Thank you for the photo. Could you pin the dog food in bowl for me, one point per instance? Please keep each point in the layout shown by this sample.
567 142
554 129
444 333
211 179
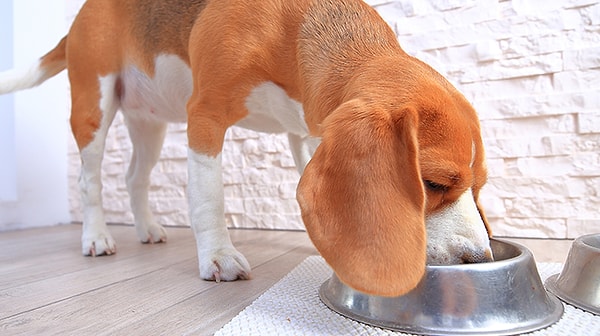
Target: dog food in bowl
503 297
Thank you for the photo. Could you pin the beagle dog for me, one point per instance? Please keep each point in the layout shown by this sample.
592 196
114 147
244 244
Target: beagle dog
397 157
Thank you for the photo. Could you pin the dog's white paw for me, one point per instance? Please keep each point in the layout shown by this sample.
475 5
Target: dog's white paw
225 264
153 233
98 244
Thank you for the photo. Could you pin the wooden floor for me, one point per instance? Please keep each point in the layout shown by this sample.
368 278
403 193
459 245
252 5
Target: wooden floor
47 287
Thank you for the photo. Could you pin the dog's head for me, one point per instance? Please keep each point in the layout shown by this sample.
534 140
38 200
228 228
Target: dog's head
395 183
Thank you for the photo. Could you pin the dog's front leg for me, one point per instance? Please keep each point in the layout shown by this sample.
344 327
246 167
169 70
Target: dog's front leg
217 258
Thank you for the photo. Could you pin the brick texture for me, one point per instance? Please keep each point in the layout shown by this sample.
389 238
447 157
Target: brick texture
532 70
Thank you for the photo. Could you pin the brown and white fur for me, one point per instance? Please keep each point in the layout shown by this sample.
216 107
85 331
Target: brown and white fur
393 183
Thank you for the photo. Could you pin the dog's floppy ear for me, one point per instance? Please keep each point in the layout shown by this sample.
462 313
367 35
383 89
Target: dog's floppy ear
362 198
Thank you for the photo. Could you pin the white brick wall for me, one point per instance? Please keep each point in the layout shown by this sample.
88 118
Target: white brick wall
530 67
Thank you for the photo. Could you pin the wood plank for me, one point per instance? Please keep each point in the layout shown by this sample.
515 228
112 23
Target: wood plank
109 306
98 273
205 313
31 242
25 267
63 258
146 283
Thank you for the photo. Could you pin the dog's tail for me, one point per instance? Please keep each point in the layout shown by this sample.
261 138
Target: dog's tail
46 67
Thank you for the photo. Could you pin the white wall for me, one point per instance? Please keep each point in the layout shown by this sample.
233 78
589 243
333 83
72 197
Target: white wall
531 69
8 156
40 123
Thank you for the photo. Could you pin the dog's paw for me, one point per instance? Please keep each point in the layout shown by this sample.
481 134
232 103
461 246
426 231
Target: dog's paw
99 244
151 234
224 265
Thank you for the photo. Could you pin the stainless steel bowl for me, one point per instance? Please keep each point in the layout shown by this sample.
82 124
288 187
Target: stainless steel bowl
579 281
501 298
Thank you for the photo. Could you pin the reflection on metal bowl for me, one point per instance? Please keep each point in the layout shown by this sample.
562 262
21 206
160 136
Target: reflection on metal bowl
502 297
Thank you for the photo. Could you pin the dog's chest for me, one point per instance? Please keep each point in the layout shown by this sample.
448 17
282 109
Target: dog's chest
164 96
271 110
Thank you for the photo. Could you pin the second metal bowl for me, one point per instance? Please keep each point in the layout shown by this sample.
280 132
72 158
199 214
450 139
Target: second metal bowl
501 298
579 281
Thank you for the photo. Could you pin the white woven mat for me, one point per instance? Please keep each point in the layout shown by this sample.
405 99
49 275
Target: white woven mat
292 307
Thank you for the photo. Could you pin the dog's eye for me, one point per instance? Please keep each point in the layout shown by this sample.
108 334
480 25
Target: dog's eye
435 186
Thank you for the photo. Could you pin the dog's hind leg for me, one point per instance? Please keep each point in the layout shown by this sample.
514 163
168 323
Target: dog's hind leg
94 105
147 138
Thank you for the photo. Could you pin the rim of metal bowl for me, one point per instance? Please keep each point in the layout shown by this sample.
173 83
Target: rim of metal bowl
552 287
